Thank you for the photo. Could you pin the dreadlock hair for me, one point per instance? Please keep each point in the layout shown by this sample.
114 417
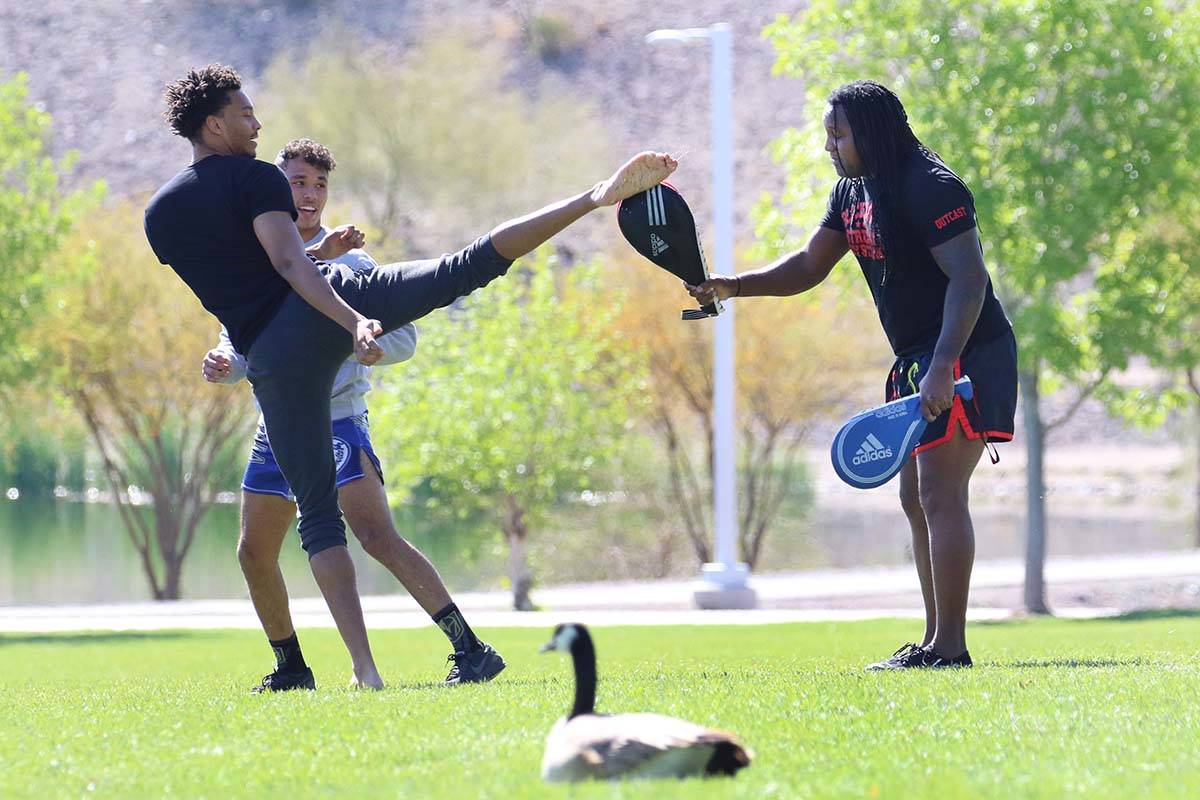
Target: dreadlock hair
312 153
884 141
196 96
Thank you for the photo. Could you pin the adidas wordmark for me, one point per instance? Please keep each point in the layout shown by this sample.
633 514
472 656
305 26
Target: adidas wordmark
871 450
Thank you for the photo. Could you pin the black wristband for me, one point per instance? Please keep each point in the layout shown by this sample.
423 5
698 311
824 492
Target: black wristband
738 292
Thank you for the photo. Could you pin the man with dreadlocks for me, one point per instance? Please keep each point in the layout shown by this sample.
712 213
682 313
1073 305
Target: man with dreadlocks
910 222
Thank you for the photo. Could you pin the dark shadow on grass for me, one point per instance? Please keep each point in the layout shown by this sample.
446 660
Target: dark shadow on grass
1073 663
97 637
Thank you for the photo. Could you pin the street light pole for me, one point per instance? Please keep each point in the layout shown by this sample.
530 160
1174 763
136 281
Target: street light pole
723 583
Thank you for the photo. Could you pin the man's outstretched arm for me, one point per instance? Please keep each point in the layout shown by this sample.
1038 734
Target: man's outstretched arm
794 273
278 235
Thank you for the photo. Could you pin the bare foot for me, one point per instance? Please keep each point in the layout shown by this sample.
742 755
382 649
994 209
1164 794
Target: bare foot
367 681
638 174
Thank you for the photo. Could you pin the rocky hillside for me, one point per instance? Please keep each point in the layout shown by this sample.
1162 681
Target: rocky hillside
99 67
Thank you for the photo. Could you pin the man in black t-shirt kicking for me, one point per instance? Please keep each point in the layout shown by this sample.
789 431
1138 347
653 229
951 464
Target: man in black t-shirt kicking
910 222
226 225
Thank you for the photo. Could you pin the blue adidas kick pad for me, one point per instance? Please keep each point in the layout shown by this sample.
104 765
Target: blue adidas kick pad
874 444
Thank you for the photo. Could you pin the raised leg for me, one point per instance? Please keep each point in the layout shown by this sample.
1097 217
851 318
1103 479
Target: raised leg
396 294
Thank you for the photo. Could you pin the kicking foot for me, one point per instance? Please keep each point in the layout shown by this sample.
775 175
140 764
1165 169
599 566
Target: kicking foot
643 171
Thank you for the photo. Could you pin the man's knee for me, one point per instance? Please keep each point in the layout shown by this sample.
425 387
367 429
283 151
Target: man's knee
910 502
377 540
910 497
253 554
318 542
941 497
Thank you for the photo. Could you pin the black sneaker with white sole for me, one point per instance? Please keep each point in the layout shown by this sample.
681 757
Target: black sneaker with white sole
897 660
286 680
475 666
912 657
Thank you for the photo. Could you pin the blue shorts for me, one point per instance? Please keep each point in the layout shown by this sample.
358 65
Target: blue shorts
351 436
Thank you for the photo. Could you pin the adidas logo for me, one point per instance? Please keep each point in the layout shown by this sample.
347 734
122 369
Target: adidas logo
871 450
657 245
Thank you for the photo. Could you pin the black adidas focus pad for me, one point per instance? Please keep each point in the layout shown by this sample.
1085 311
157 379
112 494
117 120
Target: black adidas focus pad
660 226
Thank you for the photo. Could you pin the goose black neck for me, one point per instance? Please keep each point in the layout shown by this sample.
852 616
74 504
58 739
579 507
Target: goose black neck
583 654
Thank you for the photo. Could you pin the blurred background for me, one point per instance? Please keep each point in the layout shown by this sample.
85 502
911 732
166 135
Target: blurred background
566 413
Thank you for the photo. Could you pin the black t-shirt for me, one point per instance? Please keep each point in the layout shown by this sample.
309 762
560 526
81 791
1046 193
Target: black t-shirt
932 206
201 224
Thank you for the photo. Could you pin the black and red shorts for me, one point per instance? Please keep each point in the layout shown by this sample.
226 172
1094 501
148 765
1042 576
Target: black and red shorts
992 367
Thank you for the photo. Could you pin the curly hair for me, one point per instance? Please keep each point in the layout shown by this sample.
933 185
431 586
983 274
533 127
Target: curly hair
313 153
202 92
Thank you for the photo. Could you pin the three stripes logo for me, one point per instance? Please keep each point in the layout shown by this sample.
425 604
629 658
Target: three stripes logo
655 209
871 450
657 245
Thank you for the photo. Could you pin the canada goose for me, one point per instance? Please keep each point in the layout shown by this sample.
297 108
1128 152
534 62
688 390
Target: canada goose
585 744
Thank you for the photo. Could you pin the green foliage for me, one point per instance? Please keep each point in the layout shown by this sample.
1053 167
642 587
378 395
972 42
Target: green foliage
1053 709
551 36
37 214
127 362
525 393
1070 121
43 450
433 145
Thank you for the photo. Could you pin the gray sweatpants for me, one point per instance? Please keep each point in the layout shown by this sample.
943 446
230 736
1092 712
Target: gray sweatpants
293 362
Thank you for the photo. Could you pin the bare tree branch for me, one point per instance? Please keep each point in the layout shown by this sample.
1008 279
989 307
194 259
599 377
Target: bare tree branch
1082 398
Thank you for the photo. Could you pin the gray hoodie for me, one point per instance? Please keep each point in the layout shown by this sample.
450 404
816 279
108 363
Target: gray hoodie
353 379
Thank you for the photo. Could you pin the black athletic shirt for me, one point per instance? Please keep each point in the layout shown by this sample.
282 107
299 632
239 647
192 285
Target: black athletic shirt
932 207
201 223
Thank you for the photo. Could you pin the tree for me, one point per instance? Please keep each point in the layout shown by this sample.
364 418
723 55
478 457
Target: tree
798 360
435 146
525 398
1171 337
1070 122
37 215
123 342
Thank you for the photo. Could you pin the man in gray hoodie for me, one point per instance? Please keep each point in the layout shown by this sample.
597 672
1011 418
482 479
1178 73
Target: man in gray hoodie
269 507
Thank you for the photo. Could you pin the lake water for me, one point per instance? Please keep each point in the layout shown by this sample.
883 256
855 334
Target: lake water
56 551
78 552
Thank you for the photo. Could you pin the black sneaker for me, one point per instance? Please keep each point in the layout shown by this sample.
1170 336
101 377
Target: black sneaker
935 661
898 660
912 657
286 680
476 666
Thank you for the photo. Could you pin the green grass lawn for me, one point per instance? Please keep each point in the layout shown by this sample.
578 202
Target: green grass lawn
1052 709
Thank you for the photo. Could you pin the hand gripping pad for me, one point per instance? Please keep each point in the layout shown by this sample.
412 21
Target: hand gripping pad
875 444
660 226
